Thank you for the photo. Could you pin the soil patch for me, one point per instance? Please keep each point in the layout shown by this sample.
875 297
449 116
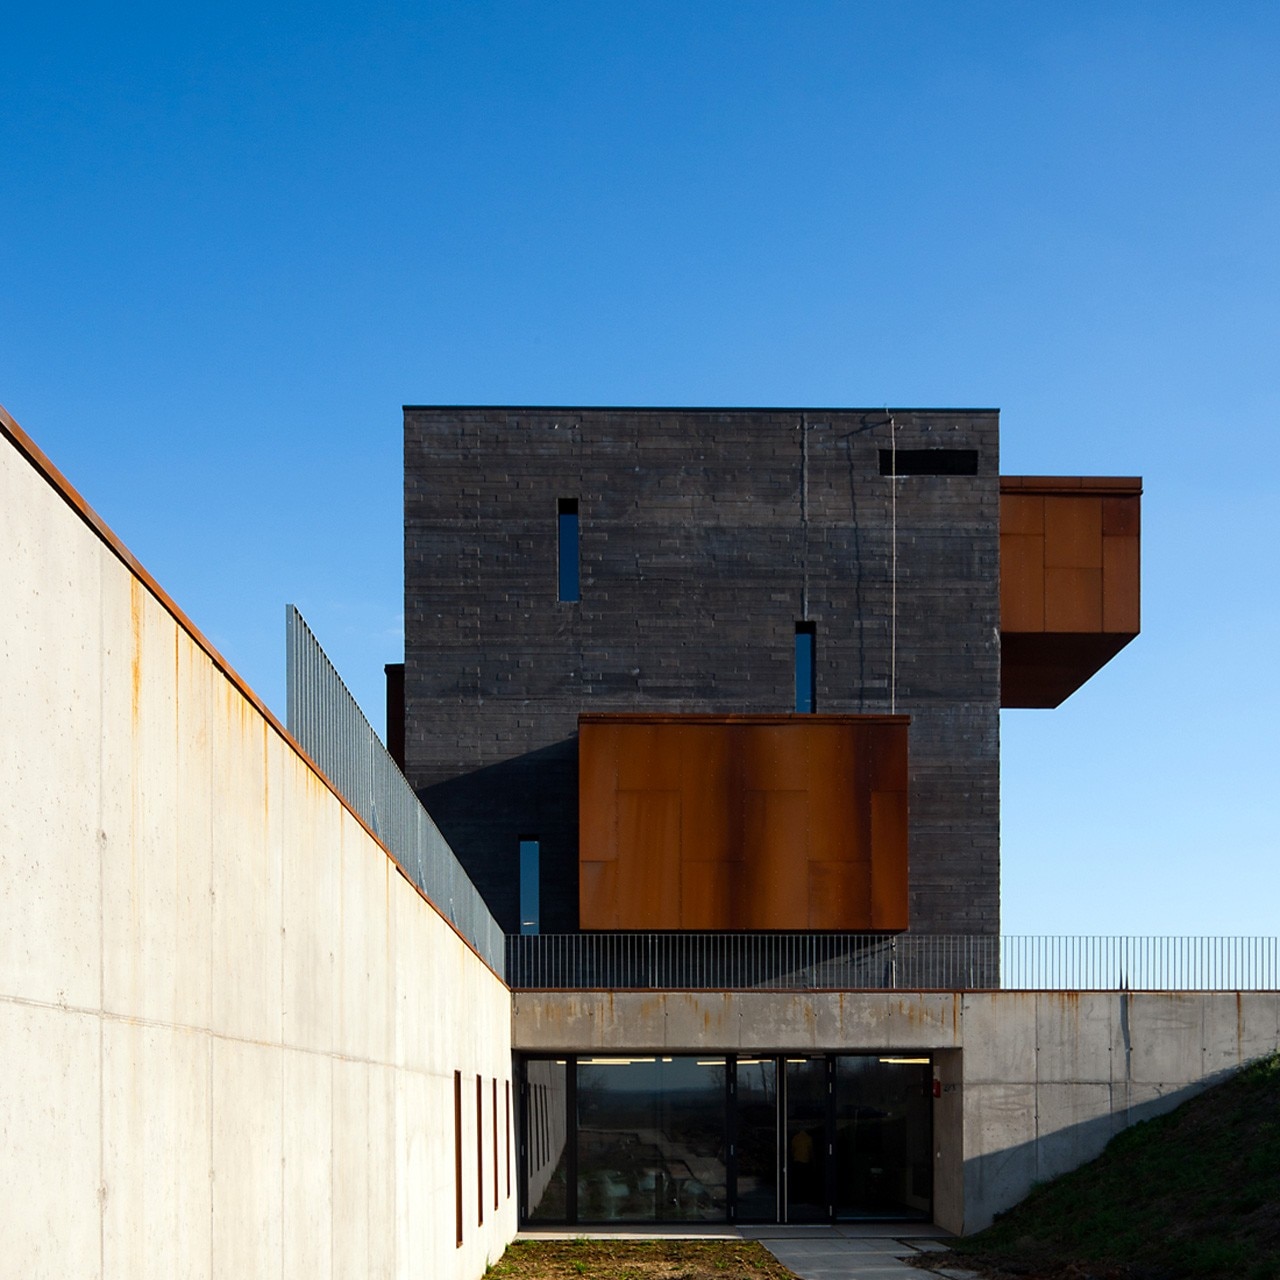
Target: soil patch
638 1260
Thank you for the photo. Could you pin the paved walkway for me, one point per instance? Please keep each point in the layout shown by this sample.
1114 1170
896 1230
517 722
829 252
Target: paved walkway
853 1251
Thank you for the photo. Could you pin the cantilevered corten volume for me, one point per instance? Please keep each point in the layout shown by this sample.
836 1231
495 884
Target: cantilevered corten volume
1069 581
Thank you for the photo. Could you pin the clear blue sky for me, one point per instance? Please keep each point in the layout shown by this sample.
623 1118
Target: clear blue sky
235 239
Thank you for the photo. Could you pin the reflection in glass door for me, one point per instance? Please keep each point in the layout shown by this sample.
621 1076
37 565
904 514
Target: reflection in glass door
883 1136
805 1104
757 1139
765 1138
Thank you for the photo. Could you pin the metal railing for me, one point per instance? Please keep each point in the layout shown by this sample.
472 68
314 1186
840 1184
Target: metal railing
329 726
873 962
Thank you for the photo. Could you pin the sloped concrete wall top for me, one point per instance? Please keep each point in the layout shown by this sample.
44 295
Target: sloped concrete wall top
229 1028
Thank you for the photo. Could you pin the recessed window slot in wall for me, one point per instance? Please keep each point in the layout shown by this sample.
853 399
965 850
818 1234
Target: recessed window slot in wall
569 589
806 667
480 1150
530 858
457 1152
929 462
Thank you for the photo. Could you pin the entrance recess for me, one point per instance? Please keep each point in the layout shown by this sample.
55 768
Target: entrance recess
763 1138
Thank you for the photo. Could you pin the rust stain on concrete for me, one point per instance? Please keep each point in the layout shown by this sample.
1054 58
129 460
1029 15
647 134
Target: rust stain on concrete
136 606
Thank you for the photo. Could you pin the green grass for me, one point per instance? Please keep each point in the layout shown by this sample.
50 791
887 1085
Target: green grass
1192 1193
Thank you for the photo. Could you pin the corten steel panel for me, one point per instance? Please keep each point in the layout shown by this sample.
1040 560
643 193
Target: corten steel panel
649 856
1022 513
889 872
775 822
598 894
1021 582
837 892
1120 593
1073 532
710 830
1072 598
1069 601
651 760
834 757
887 761
709 894
1122 517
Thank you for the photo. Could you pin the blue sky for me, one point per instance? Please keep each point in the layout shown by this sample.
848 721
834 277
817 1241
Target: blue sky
234 241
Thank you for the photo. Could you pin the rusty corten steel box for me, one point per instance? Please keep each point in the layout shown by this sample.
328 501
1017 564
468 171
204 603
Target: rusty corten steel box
743 822
1069 581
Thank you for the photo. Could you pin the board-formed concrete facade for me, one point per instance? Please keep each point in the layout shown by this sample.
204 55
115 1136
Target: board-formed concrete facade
705 536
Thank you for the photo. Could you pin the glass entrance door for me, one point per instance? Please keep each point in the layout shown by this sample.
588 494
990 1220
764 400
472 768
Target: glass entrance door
805 1103
883 1144
757 1139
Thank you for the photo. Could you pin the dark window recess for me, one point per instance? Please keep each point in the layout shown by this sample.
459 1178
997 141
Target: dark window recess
457 1151
569 589
495 1144
929 462
480 1150
530 862
395 712
806 672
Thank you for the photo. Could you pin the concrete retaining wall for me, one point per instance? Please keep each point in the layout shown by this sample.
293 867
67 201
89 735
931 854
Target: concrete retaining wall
228 1026
1032 1083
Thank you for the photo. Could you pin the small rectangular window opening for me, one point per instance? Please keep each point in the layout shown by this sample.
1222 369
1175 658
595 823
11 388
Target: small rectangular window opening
457 1152
929 462
507 1131
806 673
480 1149
530 857
569 589
495 1144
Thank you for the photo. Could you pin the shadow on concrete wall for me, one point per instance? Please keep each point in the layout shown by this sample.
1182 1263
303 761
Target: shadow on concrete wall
998 1180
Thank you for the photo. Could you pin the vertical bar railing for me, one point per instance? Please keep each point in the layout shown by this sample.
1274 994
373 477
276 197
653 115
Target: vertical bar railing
768 961
327 723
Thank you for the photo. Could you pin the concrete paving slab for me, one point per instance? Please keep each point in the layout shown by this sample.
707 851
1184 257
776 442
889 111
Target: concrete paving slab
809 1264
817 1251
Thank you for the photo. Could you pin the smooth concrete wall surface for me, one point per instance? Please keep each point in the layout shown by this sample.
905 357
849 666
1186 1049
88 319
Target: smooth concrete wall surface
228 1026
1031 1083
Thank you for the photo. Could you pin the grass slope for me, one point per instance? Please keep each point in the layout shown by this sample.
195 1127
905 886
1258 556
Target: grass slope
1192 1193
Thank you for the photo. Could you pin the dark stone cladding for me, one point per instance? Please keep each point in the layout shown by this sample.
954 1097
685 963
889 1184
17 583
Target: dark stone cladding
706 534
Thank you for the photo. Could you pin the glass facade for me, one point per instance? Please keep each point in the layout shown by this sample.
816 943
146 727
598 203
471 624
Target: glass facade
651 1140
758 1160
545 1154
883 1136
807 1146
703 1138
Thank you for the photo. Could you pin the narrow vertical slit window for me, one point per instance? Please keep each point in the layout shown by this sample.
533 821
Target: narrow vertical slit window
530 861
806 666
507 1130
480 1150
495 1144
457 1152
569 589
